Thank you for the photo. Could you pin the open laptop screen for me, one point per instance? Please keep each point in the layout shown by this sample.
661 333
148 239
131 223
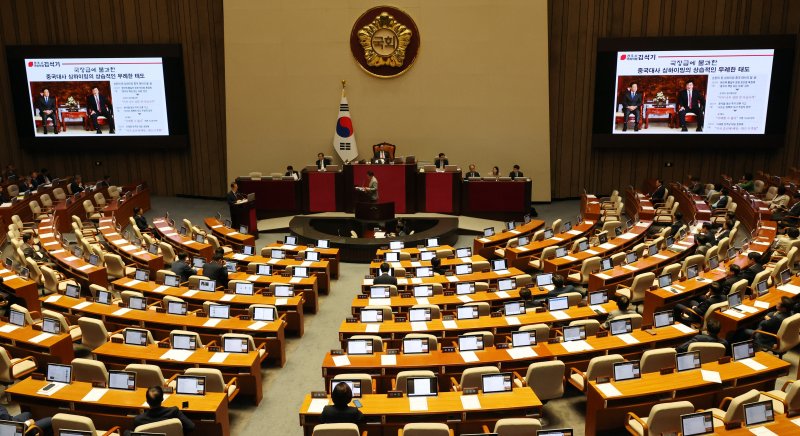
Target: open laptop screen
122 380
743 350
694 424
758 413
190 385
687 361
501 382
422 387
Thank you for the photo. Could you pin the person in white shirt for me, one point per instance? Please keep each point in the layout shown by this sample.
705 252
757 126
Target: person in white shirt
780 201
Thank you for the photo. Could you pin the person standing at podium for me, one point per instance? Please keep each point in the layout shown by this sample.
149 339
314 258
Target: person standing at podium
371 188
232 198
322 161
441 161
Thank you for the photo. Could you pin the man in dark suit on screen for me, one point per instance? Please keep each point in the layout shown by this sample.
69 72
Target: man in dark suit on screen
690 102
47 110
631 104
99 106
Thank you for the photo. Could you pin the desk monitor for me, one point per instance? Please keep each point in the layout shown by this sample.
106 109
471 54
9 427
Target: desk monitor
487 232
510 225
300 271
371 315
574 333
606 264
423 291
713 262
669 241
423 271
359 346
176 307
543 280
499 265
290 240
583 246
66 432
652 250
51 325
470 342
602 238
142 275
567 226
94 260
432 242
122 380
422 387
465 288
734 300
396 245
16 317
514 308
183 342
103 297
198 237
58 373
692 271
207 285
235 345
137 303
785 276
631 257
758 413
24 272
172 280
219 311
523 339
277 254
558 432
499 382
663 319
467 312
426 255
73 291
230 267
264 313
617 231
743 350
190 385
391 256
416 346
557 303
248 250
561 251
77 251
664 280
699 423
524 240
244 288
284 291
228 223
506 284
419 314
464 268
354 385
620 326
762 288
11 428
598 298
198 262
732 252
626 370
379 292
323 243
463 252
135 336
243 229
548 233
687 361
263 269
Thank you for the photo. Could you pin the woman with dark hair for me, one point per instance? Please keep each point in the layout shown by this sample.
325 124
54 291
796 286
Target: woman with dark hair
340 412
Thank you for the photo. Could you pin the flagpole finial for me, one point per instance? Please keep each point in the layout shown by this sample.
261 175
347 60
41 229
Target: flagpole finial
344 83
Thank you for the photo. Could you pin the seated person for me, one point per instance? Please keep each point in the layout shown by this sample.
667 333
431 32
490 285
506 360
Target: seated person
747 183
402 227
495 172
339 412
322 161
784 241
707 235
26 184
381 156
436 263
525 295
660 194
290 172
560 286
515 173
77 185
385 278
696 309
157 413
103 183
716 189
140 220
734 275
713 328
473 172
215 270
673 231
724 231
696 187
182 268
29 249
46 424
722 201
771 323
441 161
758 265
787 218
781 200
622 309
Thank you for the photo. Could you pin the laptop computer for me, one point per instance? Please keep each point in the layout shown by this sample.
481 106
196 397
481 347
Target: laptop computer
323 243
663 319
465 288
426 255
463 252
543 280
235 345
142 275
359 346
176 308
277 254
57 373
73 291
51 325
135 337
137 303
244 288
506 284
597 298
263 270
488 232
11 428
183 342
514 308
423 291
284 291
557 303
300 272
264 314
464 268
371 315
219 311
743 350
523 339
423 272
574 333
207 285
467 312
419 314
620 326
355 386
16 317
172 280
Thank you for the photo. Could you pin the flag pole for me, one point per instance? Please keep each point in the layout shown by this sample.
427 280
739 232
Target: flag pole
344 83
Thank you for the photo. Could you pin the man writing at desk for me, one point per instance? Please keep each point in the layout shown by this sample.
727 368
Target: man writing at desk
372 187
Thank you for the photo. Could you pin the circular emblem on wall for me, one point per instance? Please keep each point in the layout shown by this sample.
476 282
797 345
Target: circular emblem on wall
384 41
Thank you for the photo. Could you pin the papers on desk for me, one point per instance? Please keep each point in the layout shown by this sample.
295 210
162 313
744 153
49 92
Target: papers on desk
239 256
422 300
521 352
761 304
660 256
122 311
752 364
52 299
502 294
56 251
514 232
607 246
234 233
525 247
416 264
450 324
452 279
608 390
11 277
388 359
306 263
47 244
45 235
569 258
602 276
190 292
216 226
470 402
258 325
252 278
796 422
373 328
746 308
768 227
380 301
273 261
414 281
70 259
502 272
177 355
469 356
129 247
710 376
8 328
733 313
647 208
465 259
559 315
94 395
281 301
140 253
295 280
484 240
418 404
132 282
790 288
56 387
598 308
212 322
592 252
341 360
465 298
317 404
512 320
575 346
628 338
6 205
227 297
402 281
161 288
82 305
762 431
683 328
218 357
40 337
556 238
630 268
574 232
419 326
627 236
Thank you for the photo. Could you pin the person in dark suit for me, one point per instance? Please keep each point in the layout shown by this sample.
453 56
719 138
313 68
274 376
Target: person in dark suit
527 298
713 328
322 161
215 270
690 102
99 106
48 110
436 264
631 104
103 183
699 306
441 161
515 173
140 220
385 278
182 268
46 424
707 237
788 218
722 201
771 323
232 197
673 230
660 194
340 412
157 413
560 286
752 271
26 184
623 309
380 156
77 184
43 178
473 172
290 172
29 249
734 275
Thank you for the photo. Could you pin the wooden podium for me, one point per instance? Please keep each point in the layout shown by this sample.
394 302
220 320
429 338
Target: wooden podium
243 213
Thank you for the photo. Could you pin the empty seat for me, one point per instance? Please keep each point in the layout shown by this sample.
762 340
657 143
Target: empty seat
64 421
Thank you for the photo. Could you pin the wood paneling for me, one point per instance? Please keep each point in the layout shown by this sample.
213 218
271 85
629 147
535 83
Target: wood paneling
195 24
575 26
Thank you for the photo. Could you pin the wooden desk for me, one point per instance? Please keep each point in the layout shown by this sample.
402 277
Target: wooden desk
25 341
394 413
83 271
72 206
590 207
414 252
117 407
131 254
182 243
321 268
495 197
446 281
520 257
633 236
306 286
291 307
245 367
24 289
329 254
408 265
782 425
229 236
605 413
161 324
398 184
749 209
122 208
273 195
730 320
692 206
323 191
639 204
486 246
439 192
22 208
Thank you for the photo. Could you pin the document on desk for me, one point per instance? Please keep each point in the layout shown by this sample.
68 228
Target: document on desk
607 246
52 299
423 300
252 278
414 281
190 292
273 261
469 356
416 264
133 282
419 326
628 338
608 390
295 280
630 268
748 309
8 328
81 305
95 394
796 422
380 301
388 359
418 404
733 313
521 352
660 256
710 376
559 315
512 320
258 325
602 276
465 298
227 297
470 402
598 308
762 431
56 387
317 404
575 346
122 311
306 263
177 355
281 301
752 364
574 232
761 304
450 324
502 294
467 259
70 259
40 337
484 240
452 279
790 288
341 360
218 357
569 258
212 322
85 267
627 236
373 328
592 252
239 256
402 281
683 328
